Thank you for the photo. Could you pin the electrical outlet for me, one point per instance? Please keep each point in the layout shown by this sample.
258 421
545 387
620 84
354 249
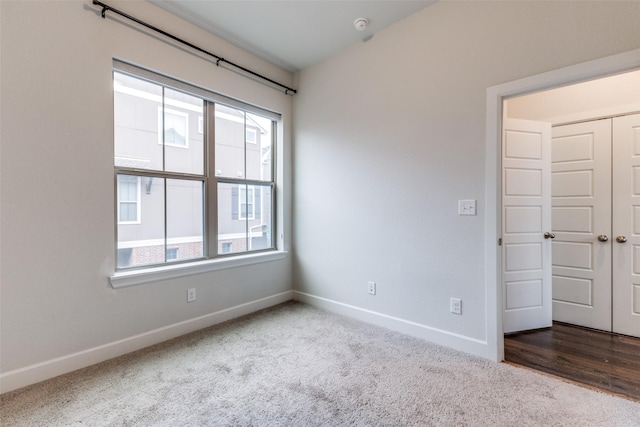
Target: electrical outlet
372 288
191 294
455 305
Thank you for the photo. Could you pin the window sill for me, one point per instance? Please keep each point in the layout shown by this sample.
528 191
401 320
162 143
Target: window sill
124 279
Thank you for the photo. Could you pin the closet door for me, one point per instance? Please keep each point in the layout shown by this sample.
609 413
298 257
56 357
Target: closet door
526 224
581 222
626 225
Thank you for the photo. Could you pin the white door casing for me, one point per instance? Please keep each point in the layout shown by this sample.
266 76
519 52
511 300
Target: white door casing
526 216
496 95
626 208
581 212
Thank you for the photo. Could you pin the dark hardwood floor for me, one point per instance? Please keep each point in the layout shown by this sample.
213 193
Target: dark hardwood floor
602 360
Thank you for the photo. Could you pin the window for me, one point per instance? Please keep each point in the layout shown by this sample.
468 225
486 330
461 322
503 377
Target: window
128 199
252 136
244 179
244 198
124 257
172 254
188 193
175 125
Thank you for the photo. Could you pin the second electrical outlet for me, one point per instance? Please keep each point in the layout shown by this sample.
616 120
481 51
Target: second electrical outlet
455 305
372 288
191 294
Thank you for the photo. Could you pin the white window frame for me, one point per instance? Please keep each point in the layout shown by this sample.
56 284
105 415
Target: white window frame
161 126
212 261
138 201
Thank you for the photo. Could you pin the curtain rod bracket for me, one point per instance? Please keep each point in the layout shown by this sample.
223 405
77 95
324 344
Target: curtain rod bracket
218 61
104 12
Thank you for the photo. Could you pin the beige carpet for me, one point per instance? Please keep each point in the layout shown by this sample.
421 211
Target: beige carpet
294 365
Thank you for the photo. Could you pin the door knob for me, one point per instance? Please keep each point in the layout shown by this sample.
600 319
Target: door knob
603 238
621 239
548 235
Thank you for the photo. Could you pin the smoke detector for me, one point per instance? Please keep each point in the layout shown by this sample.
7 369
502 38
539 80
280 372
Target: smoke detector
360 24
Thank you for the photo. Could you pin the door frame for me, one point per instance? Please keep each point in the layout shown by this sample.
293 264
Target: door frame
591 70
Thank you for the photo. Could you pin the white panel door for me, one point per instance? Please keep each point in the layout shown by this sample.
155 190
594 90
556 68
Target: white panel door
581 222
626 225
526 216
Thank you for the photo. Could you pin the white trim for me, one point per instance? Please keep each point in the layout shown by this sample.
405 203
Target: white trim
590 70
23 377
230 117
234 236
159 242
126 90
179 240
131 162
126 278
418 330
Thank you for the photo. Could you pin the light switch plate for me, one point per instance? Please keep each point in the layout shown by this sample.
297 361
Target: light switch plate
466 207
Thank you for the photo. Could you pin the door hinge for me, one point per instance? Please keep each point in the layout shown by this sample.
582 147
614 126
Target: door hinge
500 241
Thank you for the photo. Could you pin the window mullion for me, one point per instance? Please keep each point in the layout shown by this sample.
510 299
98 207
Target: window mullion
164 169
274 162
211 206
164 180
246 188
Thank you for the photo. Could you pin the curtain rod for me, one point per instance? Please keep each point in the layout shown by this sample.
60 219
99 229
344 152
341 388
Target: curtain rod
219 59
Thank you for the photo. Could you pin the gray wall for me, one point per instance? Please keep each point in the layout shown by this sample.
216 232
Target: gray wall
390 134
57 181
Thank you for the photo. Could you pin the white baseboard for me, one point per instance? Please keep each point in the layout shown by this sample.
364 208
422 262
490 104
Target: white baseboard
427 333
23 377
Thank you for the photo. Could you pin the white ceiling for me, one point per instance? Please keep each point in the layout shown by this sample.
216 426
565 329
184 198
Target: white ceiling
292 34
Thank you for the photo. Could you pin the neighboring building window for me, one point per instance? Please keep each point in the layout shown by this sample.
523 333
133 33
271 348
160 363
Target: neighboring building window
244 200
247 202
124 257
252 136
164 193
176 128
172 254
128 199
